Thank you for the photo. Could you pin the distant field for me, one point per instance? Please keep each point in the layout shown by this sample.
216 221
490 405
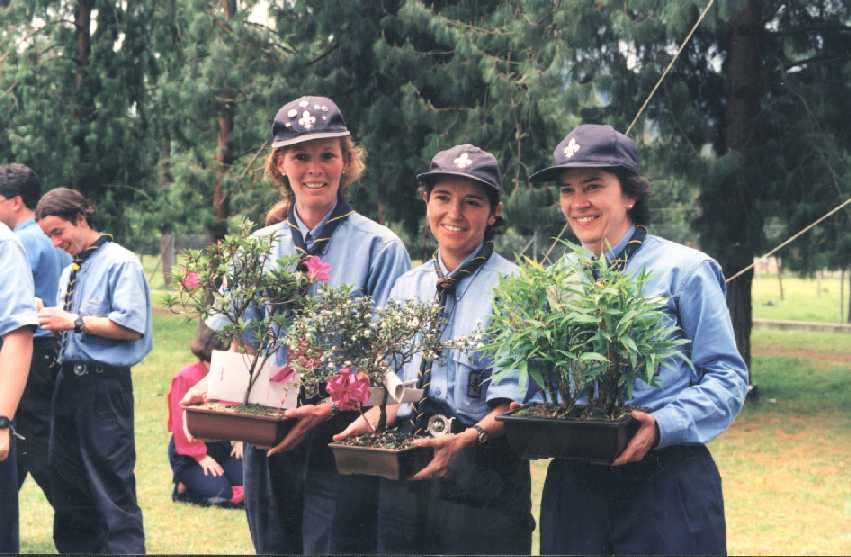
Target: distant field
802 300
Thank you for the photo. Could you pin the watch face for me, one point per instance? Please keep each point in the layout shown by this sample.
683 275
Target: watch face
5 422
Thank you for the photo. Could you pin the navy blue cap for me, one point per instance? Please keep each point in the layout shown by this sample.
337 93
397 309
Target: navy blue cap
591 146
467 161
306 119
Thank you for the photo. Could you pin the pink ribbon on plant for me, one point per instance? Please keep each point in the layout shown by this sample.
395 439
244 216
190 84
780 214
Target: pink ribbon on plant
348 390
317 270
190 281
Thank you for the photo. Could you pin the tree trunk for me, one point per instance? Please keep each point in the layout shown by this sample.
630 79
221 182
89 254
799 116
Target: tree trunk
166 236
780 276
224 156
743 73
82 26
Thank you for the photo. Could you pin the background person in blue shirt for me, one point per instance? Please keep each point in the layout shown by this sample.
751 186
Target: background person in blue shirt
17 323
474 497
662 495
294 498
104 324
20 190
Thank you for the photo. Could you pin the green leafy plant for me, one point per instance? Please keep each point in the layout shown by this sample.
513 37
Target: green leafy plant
577 336
255 295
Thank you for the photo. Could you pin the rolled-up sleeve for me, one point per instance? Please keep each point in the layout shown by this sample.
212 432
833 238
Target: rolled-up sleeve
129 303
706 408
17 308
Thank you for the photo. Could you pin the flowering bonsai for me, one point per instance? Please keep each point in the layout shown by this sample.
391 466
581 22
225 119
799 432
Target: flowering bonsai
580 338
344 347
254 297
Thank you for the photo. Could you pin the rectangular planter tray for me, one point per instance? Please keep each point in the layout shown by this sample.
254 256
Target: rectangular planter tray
593 440
213 424
392 464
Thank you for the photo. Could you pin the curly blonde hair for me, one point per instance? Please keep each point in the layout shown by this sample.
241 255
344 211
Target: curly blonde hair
354 157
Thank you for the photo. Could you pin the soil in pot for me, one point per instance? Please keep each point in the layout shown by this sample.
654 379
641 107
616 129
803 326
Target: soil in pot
546 431
216 421
385 454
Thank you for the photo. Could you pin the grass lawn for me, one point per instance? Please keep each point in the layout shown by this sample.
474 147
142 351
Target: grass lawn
801 299
787 483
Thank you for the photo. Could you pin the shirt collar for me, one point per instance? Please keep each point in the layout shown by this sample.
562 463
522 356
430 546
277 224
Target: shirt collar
619 247
27 223
305 231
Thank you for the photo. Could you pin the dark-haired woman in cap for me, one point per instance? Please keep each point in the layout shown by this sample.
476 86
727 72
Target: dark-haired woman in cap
474 495
662 495
205 473
295 507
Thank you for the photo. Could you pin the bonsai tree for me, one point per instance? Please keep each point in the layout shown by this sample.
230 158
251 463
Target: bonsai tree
582 331
343 346
238 282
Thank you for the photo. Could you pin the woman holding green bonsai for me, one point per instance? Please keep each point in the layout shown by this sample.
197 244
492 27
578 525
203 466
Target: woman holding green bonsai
662 494
474 495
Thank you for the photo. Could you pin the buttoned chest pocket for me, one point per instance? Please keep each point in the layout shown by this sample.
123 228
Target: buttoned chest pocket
472 378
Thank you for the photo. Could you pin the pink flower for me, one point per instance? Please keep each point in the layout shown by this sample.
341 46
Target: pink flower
348 390
317 270
281 375
190 281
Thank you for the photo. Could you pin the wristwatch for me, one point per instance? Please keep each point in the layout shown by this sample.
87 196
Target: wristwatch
482 437
78 324
6 423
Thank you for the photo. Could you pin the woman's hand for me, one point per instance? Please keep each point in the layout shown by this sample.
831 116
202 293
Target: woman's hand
365 423
643 440
309 416
5 443
236 449
446 449
56 319
210 467
197 394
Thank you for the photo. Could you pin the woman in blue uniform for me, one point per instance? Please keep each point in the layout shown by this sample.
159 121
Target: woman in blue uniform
17 323
662 495
474 495
295 500
20 190
104 325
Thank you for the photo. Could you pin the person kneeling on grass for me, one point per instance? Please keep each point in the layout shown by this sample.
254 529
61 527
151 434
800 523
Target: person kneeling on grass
203 473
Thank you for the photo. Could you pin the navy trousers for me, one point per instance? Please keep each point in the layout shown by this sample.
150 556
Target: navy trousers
670 503
201 488
33 416
92 461
339 511
9 542
274 497
483 506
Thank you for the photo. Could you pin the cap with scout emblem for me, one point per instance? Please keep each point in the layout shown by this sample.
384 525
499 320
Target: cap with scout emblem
467 161
306 119
591 146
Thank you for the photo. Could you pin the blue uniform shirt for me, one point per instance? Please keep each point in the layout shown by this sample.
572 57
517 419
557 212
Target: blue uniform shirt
46 263
363 254
16 285
457 376
690 406
112 284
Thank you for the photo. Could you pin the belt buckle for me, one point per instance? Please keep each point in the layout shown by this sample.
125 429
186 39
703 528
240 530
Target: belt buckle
439 425
80 369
